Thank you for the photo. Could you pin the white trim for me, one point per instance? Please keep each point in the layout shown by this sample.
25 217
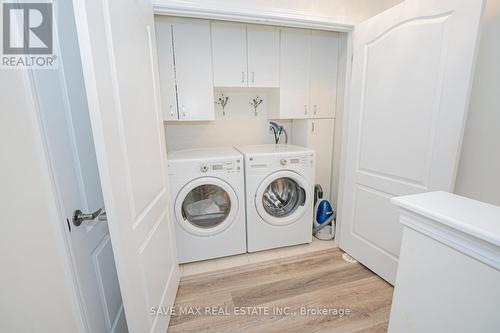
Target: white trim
345 136
463 242
270 16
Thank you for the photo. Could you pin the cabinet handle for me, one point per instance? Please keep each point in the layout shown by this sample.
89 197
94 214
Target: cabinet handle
183 111
171 110
315 109
305 109
312 126
243 77
253 77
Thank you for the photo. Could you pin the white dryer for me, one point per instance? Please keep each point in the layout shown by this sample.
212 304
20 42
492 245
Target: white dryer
279 183
207 203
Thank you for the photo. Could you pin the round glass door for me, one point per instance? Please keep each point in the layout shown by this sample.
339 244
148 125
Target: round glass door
282 197
206 206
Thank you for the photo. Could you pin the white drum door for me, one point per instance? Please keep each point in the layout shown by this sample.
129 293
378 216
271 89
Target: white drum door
206 206
118 50
281 198
411 76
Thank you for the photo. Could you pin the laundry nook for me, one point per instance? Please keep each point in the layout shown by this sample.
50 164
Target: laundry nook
250 166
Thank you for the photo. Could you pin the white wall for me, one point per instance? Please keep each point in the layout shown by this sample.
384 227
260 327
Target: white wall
34 284
479 170
239 126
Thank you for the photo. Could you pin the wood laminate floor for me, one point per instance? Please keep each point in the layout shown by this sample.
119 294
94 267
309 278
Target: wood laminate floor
285 295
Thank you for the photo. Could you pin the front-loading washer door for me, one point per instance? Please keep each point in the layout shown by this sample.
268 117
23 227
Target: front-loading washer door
206 206
281 198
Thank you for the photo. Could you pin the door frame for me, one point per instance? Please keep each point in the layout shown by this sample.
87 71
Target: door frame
293 19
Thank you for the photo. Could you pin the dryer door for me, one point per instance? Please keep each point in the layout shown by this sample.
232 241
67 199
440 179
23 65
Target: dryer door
206 206
282 197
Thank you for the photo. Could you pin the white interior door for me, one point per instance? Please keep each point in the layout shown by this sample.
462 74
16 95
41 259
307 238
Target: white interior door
411 77
117 43
68 137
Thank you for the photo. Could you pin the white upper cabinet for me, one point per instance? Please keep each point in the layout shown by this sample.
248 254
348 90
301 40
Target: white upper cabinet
324 65
197 55
308 75
193 69
295 58
185 63
229 51
263 47
245 55
166 69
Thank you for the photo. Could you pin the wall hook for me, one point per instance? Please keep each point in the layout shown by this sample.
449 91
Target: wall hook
222 101
255 103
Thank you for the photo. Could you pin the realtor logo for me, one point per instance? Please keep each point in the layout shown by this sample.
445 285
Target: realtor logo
27 39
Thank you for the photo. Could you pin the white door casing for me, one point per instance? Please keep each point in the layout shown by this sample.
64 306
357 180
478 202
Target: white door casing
411 77
117 43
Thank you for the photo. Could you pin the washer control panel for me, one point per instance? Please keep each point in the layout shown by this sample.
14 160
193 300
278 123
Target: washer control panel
221 166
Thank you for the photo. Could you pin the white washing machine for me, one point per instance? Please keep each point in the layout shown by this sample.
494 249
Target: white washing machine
279 183
207 203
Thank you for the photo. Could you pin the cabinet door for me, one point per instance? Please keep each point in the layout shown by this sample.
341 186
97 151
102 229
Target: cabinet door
320 139
324 64
263 45
193 69
166 68
294 73
229 52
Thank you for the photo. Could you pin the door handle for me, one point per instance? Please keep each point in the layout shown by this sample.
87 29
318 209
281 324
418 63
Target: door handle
103 217
79 217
